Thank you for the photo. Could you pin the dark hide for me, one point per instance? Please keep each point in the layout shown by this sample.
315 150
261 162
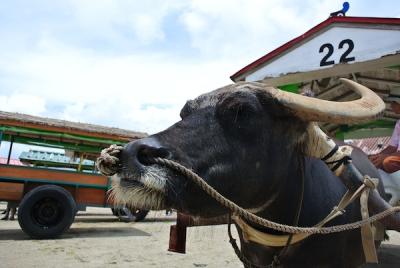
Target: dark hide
250 149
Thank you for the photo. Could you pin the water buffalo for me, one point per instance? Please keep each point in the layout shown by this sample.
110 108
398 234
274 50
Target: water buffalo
251 145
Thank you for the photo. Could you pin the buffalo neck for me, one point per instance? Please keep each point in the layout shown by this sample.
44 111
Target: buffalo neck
285 192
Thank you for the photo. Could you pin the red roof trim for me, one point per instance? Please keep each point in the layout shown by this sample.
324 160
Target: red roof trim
325 23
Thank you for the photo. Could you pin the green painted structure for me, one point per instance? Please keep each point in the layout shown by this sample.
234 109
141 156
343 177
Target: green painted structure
58 160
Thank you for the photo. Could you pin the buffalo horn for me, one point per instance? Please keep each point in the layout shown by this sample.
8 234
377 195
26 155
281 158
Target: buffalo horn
366 108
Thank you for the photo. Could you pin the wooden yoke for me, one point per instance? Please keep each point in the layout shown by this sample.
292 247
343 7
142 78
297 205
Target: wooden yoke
338 160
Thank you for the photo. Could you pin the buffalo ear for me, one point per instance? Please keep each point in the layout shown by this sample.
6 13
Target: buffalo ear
240 113
238 106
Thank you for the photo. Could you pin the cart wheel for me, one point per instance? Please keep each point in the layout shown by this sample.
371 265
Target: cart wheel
129 214
46 212
136 214
114 211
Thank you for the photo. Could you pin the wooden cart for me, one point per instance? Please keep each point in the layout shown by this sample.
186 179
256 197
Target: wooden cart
48 195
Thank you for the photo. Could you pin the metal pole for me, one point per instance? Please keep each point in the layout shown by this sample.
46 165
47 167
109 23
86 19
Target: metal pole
9 152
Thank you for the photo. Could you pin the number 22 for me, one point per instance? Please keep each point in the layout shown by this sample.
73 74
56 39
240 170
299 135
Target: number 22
343 59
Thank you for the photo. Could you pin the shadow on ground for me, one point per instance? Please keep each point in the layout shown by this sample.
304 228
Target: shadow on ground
102 218
389 255
104 232
18 234
95 219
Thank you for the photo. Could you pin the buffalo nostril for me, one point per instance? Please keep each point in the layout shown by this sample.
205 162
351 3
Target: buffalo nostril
146 154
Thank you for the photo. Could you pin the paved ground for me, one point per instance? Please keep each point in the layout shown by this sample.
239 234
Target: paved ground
98 239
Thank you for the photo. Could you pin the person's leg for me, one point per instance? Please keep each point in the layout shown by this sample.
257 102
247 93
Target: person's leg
7 213
391 164
12 213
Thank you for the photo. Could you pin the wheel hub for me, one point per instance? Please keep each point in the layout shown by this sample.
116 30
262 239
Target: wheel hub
47 212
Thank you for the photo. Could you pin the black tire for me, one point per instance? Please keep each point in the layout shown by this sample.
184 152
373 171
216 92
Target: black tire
129 214
46 212
114 211
137 214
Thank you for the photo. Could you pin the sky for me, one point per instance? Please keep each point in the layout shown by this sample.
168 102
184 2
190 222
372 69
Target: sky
133 64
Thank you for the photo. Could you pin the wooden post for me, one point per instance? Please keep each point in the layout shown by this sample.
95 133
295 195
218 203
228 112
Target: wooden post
1 137
9 152
81 156
177 235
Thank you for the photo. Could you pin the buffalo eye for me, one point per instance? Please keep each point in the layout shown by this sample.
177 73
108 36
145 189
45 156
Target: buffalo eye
239 111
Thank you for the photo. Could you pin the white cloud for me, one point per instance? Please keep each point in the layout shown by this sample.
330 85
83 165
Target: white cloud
147 29
116 18
247 28
82 62
30 104
109 90
195 22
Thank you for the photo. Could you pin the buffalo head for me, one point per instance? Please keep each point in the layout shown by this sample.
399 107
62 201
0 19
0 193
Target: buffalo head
244 139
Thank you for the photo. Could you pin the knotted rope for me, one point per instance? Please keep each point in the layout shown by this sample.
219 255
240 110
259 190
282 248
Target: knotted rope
107 162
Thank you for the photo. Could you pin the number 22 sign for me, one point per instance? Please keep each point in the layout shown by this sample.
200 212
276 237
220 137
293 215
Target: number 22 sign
329 48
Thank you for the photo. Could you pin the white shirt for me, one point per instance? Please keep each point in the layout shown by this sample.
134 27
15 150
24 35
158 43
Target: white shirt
394 140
